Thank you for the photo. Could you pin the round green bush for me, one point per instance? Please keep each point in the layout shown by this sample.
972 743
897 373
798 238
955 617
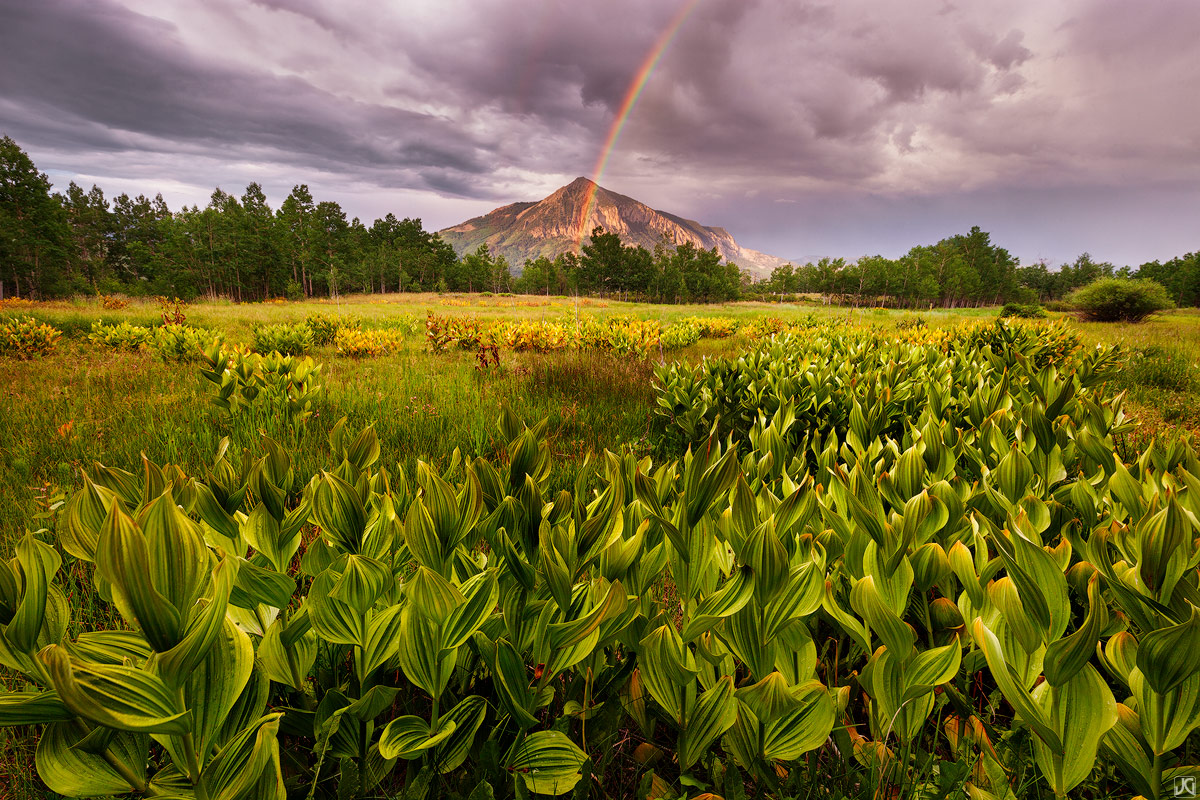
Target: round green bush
1120 299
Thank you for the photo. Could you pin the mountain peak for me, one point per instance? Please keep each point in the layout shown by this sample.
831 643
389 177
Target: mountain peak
555 225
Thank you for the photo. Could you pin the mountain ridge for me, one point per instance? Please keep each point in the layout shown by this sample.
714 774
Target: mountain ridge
551 226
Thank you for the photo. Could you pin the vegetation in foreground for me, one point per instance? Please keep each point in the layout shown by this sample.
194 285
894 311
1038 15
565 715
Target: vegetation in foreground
775 459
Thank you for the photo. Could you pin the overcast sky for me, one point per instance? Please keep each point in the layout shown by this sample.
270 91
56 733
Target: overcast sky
842 128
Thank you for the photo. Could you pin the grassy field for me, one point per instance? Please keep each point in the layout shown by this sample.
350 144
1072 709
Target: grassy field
84 405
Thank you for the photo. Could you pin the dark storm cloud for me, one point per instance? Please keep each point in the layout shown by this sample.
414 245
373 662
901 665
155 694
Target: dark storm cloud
759 112
94 74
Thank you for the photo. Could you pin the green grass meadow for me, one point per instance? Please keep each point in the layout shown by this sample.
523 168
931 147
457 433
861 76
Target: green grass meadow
82 405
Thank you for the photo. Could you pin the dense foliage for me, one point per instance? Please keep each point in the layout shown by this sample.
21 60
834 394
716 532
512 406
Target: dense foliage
1120 300
906 566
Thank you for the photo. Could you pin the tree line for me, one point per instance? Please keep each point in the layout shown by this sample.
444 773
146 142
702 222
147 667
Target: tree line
56 244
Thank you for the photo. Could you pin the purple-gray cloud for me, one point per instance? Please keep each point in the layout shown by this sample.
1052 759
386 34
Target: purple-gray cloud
804 128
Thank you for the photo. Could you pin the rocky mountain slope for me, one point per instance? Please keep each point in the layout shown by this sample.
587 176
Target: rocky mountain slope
552 225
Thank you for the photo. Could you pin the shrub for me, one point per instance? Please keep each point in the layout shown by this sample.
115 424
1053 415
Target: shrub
357 343
241 378
289 340
180 342
1023 311
24 338
122 336
681 334
714 327
1057 305
172 310
112 302
324 327
1120 299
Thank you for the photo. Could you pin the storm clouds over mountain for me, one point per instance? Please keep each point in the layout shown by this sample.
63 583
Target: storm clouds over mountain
842 128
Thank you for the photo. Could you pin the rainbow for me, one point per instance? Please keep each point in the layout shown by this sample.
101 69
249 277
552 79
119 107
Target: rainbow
631 97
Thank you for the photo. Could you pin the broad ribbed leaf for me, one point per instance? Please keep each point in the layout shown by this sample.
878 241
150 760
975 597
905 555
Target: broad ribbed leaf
481 593
512 681
714 713
110 647
466 717
75 773
1085 712
409 737
803 729
733 595
1016 694
1167 656
117 697
548 761
931 668
1066 656
665 672
247 764
202 629
213 687
332 619
39 561
894 631
568 634
32 708
337 509
433 596
422 538
383 637
123 559
362 582
420 653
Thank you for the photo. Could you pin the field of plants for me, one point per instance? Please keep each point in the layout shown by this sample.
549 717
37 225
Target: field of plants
510 546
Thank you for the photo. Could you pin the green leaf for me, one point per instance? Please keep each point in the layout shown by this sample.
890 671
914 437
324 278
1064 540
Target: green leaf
422 538
248 766
466 717
714 713
1167 656
434 597
409 736
1066 656
804 728
481 593
32 708
931 668
664 670
726 601
548 761
213 687
895 632
362 582
338 510
1082 710
568 634
421 656
38 562
110 647
123 559
117 697
75 773
1016 694
332 619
